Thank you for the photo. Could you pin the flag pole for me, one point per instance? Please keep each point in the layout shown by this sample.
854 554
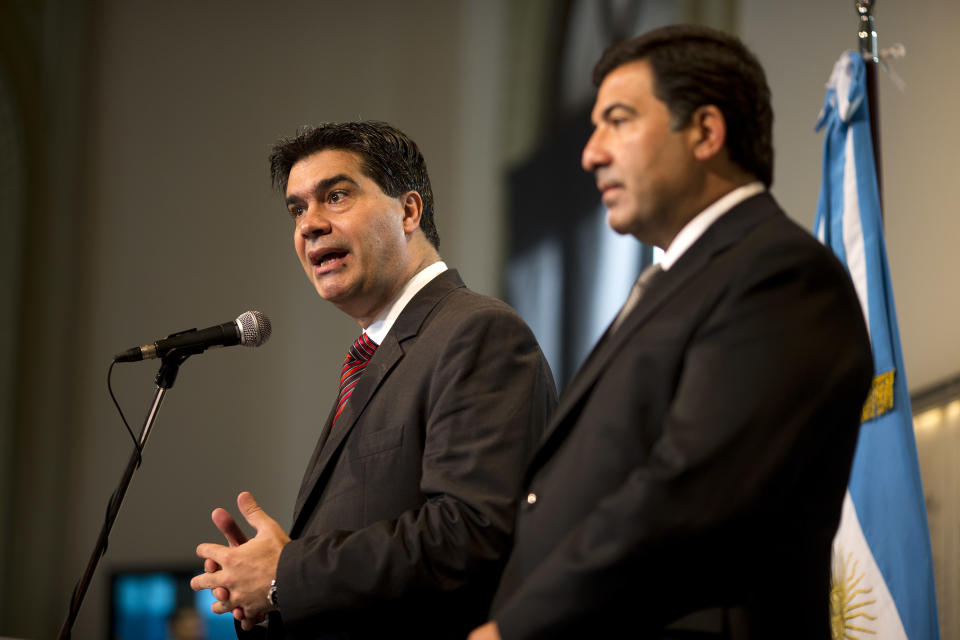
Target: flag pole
867 34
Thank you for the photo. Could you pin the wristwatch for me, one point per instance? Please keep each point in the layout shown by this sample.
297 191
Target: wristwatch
272 594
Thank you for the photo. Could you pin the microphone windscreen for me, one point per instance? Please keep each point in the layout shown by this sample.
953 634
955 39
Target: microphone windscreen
254 328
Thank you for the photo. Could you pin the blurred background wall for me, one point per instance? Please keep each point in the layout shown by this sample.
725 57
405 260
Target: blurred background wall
136 202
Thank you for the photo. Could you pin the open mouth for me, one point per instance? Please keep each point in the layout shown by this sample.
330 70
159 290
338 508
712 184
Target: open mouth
326 260
329 258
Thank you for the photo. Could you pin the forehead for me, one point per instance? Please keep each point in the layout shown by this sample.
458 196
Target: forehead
630 85
322 165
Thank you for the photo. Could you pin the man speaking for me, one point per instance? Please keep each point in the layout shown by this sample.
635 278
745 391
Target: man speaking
408 502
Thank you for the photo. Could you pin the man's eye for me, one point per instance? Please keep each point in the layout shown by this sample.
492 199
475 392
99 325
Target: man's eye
336 196
296 212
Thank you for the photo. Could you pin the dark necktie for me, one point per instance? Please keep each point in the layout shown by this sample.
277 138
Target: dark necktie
357 358
639 287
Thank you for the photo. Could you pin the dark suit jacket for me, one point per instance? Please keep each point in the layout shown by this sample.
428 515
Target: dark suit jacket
406 510
700 456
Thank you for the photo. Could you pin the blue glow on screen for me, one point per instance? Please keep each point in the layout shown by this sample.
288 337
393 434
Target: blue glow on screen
161 606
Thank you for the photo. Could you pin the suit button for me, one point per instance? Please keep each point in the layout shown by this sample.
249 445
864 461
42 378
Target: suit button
531 498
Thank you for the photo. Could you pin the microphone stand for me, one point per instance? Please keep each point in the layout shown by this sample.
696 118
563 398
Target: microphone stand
166 376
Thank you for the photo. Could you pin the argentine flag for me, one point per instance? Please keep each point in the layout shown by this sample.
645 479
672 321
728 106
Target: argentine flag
882 584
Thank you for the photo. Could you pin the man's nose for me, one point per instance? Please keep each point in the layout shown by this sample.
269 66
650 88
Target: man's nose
594 153
313 223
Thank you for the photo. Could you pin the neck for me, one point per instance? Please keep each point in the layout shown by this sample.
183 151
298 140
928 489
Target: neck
421 256
713 186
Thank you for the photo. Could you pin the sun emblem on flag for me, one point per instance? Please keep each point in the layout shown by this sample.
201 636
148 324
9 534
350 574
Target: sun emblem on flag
849 604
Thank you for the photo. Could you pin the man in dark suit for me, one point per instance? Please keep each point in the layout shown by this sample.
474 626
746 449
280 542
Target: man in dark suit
693 474
407 505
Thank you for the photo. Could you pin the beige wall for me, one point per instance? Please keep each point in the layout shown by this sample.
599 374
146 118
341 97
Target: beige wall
179 229
798 42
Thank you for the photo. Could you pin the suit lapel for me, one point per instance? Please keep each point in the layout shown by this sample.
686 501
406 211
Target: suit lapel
606 350
723 233
384 359
312 470
376 371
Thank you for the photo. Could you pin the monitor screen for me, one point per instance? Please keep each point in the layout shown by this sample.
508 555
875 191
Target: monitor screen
158 604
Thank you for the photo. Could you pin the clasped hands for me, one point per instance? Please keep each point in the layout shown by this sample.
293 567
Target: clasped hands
239 575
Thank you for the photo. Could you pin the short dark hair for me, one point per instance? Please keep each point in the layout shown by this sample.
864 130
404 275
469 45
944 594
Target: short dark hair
695 66
387 156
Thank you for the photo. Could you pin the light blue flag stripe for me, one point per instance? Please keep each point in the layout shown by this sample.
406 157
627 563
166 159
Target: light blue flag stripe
885 481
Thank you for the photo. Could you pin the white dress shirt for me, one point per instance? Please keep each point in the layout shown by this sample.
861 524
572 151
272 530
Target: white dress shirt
692 231
381 325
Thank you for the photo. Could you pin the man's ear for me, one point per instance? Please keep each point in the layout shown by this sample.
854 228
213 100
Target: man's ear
412 210
709 131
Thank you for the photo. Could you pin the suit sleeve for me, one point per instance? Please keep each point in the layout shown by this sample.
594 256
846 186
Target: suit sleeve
783 350
488 397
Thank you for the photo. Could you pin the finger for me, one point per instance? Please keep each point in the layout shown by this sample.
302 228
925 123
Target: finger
209 566
228 527
488 631
197 585
221 593
215 552
222 607
248 623
251 511
209 580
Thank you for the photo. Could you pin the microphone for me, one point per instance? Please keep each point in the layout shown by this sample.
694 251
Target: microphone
251 329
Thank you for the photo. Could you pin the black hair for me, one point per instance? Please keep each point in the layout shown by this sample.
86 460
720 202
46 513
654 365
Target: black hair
387 156
695 66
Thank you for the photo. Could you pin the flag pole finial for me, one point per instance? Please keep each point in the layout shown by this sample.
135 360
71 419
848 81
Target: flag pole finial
867 32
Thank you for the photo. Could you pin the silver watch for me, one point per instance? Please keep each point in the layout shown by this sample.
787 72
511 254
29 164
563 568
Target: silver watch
272 594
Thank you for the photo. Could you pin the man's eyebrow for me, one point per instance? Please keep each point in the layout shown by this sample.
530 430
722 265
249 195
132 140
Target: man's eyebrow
323 185
605 115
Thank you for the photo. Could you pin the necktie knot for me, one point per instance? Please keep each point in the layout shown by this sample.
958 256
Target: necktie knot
361 350
356 359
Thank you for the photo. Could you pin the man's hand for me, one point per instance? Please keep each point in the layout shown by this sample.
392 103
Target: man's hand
235 537
240 574
488 631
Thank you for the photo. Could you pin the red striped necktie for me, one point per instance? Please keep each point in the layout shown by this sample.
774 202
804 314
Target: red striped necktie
357 358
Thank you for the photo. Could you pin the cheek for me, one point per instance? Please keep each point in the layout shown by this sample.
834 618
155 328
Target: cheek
386 234
300 246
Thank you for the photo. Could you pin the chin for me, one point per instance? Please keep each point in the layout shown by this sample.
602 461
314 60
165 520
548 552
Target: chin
330 293
617 225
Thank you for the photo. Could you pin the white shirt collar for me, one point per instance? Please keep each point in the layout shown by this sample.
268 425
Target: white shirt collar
692 231
381 325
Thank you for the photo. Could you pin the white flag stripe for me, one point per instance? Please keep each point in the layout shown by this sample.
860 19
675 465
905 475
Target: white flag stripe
852 229
865 575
